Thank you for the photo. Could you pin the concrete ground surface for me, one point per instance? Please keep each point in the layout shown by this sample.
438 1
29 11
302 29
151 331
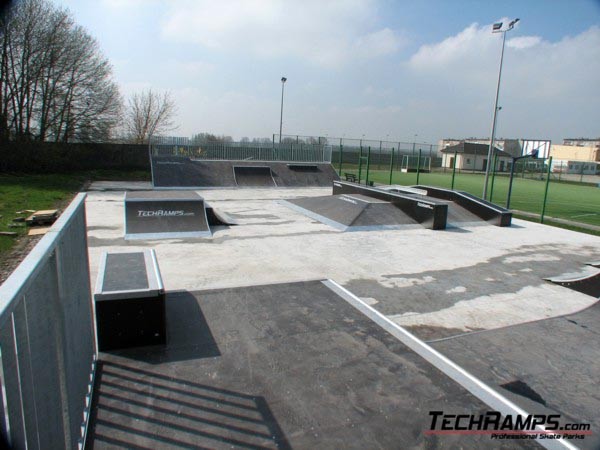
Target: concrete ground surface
453 288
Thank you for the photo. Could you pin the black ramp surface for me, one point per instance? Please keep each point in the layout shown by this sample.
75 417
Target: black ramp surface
218 218
353 212
334 210
459 215
465 202
253 176
164 214
125 272
183 172
429 212
177 171
589 285
555 363
286 366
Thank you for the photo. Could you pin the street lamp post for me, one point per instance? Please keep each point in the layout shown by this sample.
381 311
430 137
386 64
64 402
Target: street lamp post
496 29
283 80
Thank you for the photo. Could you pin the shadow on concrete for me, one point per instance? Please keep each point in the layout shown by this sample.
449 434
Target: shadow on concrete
141 409
454 229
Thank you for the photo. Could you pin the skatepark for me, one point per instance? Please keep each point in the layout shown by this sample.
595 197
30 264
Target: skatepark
310 313
284 329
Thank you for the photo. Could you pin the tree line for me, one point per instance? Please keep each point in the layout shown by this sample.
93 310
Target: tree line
56 84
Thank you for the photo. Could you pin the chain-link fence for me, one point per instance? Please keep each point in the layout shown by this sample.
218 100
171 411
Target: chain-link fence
240 151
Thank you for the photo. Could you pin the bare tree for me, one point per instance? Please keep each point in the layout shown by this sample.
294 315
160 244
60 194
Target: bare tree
149 114
55 84
200 138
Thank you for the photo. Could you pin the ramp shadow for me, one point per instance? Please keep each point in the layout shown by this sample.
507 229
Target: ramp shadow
455 229
140 408
189 336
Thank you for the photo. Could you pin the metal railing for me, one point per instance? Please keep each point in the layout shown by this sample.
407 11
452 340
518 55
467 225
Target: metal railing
47 350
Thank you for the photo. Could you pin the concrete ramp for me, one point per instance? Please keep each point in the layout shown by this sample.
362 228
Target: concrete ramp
253 176
353 212
166 215
586 282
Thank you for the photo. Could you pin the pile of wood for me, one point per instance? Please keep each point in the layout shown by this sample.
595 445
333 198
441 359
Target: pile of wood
39 221
44 217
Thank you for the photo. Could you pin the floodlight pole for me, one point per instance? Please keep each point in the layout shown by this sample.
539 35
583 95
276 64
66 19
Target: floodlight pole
490 150
283 80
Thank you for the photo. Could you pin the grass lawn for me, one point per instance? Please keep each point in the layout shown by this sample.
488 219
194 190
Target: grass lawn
580 203
20 192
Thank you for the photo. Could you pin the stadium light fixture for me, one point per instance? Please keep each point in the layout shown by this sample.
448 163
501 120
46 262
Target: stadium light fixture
283 80
497 28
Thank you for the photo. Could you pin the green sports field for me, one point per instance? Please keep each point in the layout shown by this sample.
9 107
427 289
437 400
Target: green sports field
576 202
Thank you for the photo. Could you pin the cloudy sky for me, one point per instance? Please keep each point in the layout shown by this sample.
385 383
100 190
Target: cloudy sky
378 68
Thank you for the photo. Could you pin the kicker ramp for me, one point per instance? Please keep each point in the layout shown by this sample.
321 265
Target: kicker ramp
588 282
429 213
354 212
165 215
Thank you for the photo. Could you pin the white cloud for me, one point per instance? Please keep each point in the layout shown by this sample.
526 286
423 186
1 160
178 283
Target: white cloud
135 87
190 67
466 44
122 4
230 113
378 43
523 42
322 32
548 88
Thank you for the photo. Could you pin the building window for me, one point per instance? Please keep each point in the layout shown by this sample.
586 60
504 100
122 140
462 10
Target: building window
468 160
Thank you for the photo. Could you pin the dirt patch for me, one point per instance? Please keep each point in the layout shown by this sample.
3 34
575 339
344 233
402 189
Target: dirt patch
23 245
11 259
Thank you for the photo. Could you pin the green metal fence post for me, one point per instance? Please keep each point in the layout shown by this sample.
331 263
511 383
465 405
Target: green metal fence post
454 168
418 166
360 155
546 191
341 158
493 176
391 165
379 161
368 165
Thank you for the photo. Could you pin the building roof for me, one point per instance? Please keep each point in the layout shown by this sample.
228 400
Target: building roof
469 148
